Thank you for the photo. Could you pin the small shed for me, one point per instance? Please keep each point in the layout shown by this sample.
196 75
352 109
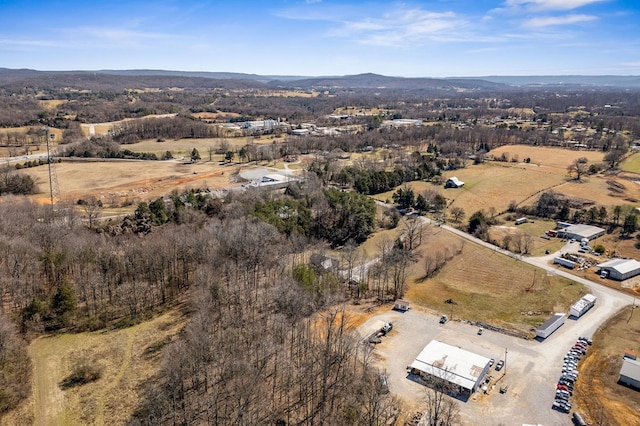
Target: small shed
401 305
630 373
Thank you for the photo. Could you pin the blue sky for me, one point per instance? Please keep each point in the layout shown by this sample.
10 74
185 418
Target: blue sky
326 37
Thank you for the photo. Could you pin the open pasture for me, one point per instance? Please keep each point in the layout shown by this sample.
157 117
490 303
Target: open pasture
603 190
488 286
183 147
557 158
497 184
115 182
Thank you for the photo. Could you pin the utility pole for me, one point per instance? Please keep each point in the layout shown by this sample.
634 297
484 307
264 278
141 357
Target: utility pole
46 131
505 361
53 180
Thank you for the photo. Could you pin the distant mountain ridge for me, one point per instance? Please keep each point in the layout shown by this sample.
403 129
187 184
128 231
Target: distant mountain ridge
368 81
564 80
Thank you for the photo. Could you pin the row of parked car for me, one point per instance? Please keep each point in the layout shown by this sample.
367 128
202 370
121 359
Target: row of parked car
564 388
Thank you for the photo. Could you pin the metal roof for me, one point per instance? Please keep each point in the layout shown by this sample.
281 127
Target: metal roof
622 266
630 368
586 299
550 322
585 231
451 363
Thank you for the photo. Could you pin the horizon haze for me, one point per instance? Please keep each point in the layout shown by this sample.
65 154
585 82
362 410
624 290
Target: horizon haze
461 38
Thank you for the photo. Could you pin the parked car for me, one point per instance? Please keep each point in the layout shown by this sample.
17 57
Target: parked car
560 407
586 339
443 319
480 331
491 361
499 365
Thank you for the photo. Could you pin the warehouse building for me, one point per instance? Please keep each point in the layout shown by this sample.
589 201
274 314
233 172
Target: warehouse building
579 232
630 373
620 269
463 370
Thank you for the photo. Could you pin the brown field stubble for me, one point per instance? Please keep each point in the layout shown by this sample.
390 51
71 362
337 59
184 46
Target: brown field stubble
598 396
487 286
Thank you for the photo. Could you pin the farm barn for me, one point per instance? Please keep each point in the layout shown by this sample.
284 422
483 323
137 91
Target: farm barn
453 182
464 370
580 231
620 269
630 373
550 325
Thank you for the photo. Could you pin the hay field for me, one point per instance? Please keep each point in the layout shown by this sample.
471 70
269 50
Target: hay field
488 286
127 358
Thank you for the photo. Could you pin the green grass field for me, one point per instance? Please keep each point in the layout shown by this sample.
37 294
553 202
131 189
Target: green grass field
631 163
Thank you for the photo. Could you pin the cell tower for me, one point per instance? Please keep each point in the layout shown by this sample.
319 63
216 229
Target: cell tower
53 178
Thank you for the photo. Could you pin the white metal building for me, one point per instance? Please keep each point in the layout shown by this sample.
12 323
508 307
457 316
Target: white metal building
582 305
630 373
580 231
621 269
550 325
461 368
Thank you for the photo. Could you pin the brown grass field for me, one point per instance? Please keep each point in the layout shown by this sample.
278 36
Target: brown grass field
127 357
116 182
496 184
598 396
519 297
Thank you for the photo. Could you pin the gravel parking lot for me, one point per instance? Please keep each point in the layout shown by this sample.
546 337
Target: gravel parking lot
531 372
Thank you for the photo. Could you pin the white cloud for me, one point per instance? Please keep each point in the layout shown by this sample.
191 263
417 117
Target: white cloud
549 4
403 26
546 21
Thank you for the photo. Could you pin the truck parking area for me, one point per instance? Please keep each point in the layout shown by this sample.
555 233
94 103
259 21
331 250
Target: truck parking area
521 392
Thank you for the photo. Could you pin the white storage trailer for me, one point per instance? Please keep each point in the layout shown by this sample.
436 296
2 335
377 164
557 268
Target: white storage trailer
564 262
583 305
550 325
